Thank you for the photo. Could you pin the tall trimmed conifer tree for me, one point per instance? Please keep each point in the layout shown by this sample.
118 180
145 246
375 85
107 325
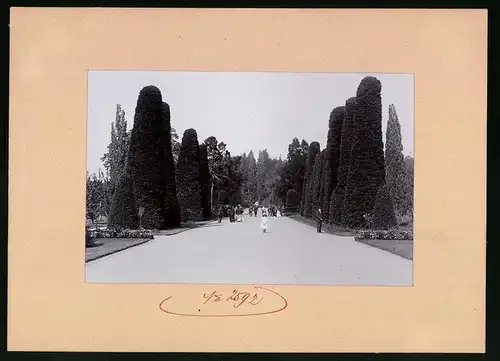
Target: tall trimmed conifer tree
188 178
367 172
146 157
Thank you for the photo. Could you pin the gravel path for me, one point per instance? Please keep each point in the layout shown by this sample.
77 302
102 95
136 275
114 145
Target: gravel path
239 253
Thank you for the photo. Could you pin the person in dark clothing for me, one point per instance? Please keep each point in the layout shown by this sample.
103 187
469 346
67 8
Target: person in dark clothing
319 220
231 214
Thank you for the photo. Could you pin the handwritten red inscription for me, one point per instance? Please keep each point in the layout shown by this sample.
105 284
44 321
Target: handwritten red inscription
219 303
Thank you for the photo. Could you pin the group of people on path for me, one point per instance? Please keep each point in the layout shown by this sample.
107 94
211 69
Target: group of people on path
236 215
272 211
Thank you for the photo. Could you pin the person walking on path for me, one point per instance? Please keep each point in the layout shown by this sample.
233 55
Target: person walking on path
263 221
319 220
239 213
221 211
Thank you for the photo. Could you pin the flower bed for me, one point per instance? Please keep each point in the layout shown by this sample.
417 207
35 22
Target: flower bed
114 233
395 234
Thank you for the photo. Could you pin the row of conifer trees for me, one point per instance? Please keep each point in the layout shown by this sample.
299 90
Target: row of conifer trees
351 179
151 185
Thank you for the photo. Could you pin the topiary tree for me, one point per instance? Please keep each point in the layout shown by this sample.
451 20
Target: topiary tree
292 199
146 157
314 149
311 187
338 197
322 183
171 210
313 201
332 157
205 182
367 171
123 212
188 177
383 212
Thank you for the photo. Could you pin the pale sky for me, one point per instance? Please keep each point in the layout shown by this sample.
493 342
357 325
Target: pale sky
245 110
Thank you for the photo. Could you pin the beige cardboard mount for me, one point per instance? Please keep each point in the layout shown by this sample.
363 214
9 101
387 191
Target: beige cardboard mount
50 308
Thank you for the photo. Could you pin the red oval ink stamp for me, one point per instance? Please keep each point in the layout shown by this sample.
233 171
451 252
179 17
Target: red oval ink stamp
226 302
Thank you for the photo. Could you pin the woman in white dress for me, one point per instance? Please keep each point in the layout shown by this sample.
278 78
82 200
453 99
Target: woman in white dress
278 213
263 221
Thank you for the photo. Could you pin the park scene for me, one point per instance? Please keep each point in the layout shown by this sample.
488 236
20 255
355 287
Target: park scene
308 189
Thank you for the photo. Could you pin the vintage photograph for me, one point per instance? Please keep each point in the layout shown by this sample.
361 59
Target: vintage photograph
268 178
